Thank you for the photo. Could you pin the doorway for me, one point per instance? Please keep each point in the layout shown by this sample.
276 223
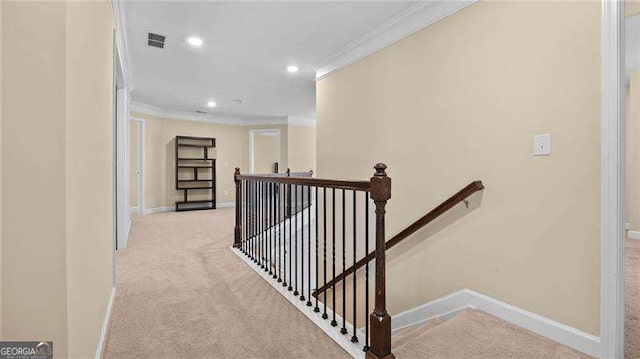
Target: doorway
264 151
136 167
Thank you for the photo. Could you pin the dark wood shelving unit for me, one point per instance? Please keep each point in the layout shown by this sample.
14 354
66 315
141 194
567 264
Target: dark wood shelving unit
201 167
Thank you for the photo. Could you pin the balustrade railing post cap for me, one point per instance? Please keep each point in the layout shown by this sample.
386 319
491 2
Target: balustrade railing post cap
380 170
380 184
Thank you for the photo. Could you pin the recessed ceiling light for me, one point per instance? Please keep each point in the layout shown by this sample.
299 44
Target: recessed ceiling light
292 69
195 41
211 104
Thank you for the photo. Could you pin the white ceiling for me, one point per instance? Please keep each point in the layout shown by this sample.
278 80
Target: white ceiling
247 47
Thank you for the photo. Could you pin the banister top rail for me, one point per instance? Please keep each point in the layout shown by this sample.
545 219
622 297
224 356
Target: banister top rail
308 181
286 174
443 207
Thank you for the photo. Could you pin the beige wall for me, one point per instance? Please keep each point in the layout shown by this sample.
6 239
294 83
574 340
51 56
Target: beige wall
266 152
133 164
461 101
89 172
632 158
302 148
57 67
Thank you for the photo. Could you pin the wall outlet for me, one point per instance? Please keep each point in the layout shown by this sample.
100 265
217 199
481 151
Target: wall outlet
542 145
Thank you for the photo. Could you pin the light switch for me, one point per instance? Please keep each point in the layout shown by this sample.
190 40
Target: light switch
542 145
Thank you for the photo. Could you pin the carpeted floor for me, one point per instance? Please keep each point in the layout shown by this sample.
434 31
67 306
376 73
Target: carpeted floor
183 294
632 300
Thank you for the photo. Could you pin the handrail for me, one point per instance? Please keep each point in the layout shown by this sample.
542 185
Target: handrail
443 207
307 181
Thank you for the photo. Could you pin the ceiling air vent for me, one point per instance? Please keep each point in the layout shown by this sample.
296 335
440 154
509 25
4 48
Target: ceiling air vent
202 112
156 40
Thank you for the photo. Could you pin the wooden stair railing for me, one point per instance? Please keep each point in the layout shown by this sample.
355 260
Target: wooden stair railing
442 208
263 233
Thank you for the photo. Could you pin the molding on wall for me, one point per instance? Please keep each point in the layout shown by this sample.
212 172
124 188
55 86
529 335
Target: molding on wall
122 41
612 181
173 208
220 120
633 234
466 298
105 325
415 18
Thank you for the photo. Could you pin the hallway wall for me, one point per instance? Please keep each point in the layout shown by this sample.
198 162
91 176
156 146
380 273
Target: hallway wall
57 180
460 101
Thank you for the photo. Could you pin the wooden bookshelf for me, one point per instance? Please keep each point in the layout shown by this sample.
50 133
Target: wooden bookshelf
200 170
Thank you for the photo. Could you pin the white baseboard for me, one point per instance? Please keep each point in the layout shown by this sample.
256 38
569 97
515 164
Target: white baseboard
633 234
105 325
173 208
466 298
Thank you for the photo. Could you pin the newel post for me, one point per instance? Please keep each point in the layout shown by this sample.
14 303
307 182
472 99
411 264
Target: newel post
237 240
380 347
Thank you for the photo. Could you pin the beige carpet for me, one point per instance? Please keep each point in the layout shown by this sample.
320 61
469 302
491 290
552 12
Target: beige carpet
632 300
183 294
474 334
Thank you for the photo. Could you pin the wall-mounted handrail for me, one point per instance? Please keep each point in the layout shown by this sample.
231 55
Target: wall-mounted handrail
442 208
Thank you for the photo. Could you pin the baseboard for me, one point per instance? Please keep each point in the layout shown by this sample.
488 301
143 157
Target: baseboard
173 208
633 234
105 325
466 298
225 204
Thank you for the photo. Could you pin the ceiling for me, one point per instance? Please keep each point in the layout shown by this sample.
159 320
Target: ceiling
247 48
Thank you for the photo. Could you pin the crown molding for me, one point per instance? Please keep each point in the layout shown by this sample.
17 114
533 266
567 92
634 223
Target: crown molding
122 41
301 121
215 119
413 19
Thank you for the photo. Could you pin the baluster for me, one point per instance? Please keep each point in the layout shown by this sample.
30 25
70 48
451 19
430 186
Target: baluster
366 272
260 227
274 221
290 288
301 210
343 330
309 246
269 246
333 255
297 210
255 221
279 222
316 309
354 338
324 248
237 239
265 224
294 214
284 231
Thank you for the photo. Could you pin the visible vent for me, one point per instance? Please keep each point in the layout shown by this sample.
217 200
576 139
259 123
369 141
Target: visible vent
203 112
156 40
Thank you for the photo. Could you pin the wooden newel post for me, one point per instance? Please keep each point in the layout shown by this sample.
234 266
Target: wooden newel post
237 240
380 347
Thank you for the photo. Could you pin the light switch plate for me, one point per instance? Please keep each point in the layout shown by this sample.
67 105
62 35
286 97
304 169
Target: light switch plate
542 145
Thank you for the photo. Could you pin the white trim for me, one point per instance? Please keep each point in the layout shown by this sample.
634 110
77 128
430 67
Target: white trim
612 182
133 210
122 41
415 18
252 133
105 325
173 208
354 349
301 121
141 162
466 298
208 118
633 234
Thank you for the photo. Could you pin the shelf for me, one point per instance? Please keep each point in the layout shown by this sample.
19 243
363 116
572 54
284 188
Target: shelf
195 159
192 145
185 166
202 201
209 187
196 180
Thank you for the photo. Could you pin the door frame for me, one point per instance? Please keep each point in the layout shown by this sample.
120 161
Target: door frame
612 181
252 133
140 210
